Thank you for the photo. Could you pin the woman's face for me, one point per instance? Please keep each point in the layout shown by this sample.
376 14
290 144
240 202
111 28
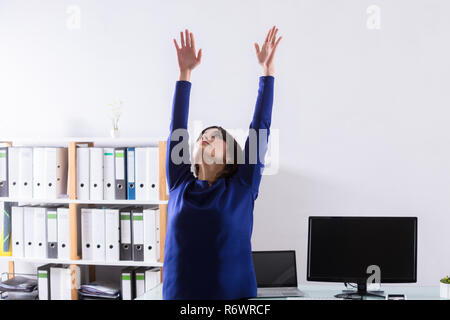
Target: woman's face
211 146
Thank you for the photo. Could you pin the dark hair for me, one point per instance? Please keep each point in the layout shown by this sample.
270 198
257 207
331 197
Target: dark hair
230 168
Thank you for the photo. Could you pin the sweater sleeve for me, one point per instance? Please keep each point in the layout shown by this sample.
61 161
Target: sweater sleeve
177 153
256 144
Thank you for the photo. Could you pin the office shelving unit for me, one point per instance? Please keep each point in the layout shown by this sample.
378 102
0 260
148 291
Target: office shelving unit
73 203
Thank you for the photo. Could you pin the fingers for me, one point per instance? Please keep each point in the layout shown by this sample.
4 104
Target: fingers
182 40
257 48
199 56
274 36
269 60
192 41
188 38
176 44
268 35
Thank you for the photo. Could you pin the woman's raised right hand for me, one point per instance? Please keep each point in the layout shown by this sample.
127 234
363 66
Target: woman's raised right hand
187 57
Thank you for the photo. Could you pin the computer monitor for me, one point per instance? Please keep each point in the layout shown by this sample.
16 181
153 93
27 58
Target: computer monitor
340 249
275 268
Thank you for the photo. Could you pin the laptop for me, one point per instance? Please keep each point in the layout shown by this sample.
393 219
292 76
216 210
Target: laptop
276 274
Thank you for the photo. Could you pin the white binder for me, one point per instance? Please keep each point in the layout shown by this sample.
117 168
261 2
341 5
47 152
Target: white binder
152 278
96 173
83 173
63 233
140 281
151 231
137 218
109 190
55 172
61 282
112 234
56 281
39 178
87 234
28 231
40 232
44 281
147 173
126 243
13 171
26 172
153 155
52 233
128 283
17 235
4 184
158 235
98 234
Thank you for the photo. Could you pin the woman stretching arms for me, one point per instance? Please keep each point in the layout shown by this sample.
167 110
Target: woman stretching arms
210 211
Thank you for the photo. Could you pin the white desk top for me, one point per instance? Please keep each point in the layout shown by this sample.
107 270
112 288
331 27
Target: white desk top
319 291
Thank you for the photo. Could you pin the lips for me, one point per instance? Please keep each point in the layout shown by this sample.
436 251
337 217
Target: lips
205 143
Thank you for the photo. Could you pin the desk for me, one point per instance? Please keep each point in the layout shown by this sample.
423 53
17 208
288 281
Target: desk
319 291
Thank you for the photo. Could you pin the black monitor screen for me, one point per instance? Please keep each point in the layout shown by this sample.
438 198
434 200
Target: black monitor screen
340 249
275 268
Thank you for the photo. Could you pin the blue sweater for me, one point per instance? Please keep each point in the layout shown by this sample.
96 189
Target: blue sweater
209 229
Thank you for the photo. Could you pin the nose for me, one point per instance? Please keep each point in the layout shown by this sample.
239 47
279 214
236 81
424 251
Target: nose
204 138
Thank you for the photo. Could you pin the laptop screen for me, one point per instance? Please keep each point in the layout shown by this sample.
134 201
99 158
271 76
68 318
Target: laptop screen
275 268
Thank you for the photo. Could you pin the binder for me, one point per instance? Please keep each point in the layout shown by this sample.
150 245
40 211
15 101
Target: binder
128 283
138 234
61 282
13 171
96 173
158 234
87 234
151 234
153 158
55 172
140 281
40 232
83 173
152 278
147 173
43 273
4 183
26 172
63 230
112 234
98 233
39 178
5 229
126 248
109 190
28 231
121 173
17 235
131 182
52 233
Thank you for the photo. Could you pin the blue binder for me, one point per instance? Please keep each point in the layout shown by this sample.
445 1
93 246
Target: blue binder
131 179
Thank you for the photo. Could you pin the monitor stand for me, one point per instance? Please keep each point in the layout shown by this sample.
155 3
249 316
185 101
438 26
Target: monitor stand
361 292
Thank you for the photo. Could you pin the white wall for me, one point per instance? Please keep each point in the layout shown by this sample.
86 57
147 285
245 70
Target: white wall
362 114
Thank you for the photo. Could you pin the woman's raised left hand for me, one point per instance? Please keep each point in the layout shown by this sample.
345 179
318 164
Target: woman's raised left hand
266 54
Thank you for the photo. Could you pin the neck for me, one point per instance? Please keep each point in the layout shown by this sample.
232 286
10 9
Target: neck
208 173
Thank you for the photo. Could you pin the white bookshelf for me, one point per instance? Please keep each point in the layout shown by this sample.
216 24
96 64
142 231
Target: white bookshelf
73 203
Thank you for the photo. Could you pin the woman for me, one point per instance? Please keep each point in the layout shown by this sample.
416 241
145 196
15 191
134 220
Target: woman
210 212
